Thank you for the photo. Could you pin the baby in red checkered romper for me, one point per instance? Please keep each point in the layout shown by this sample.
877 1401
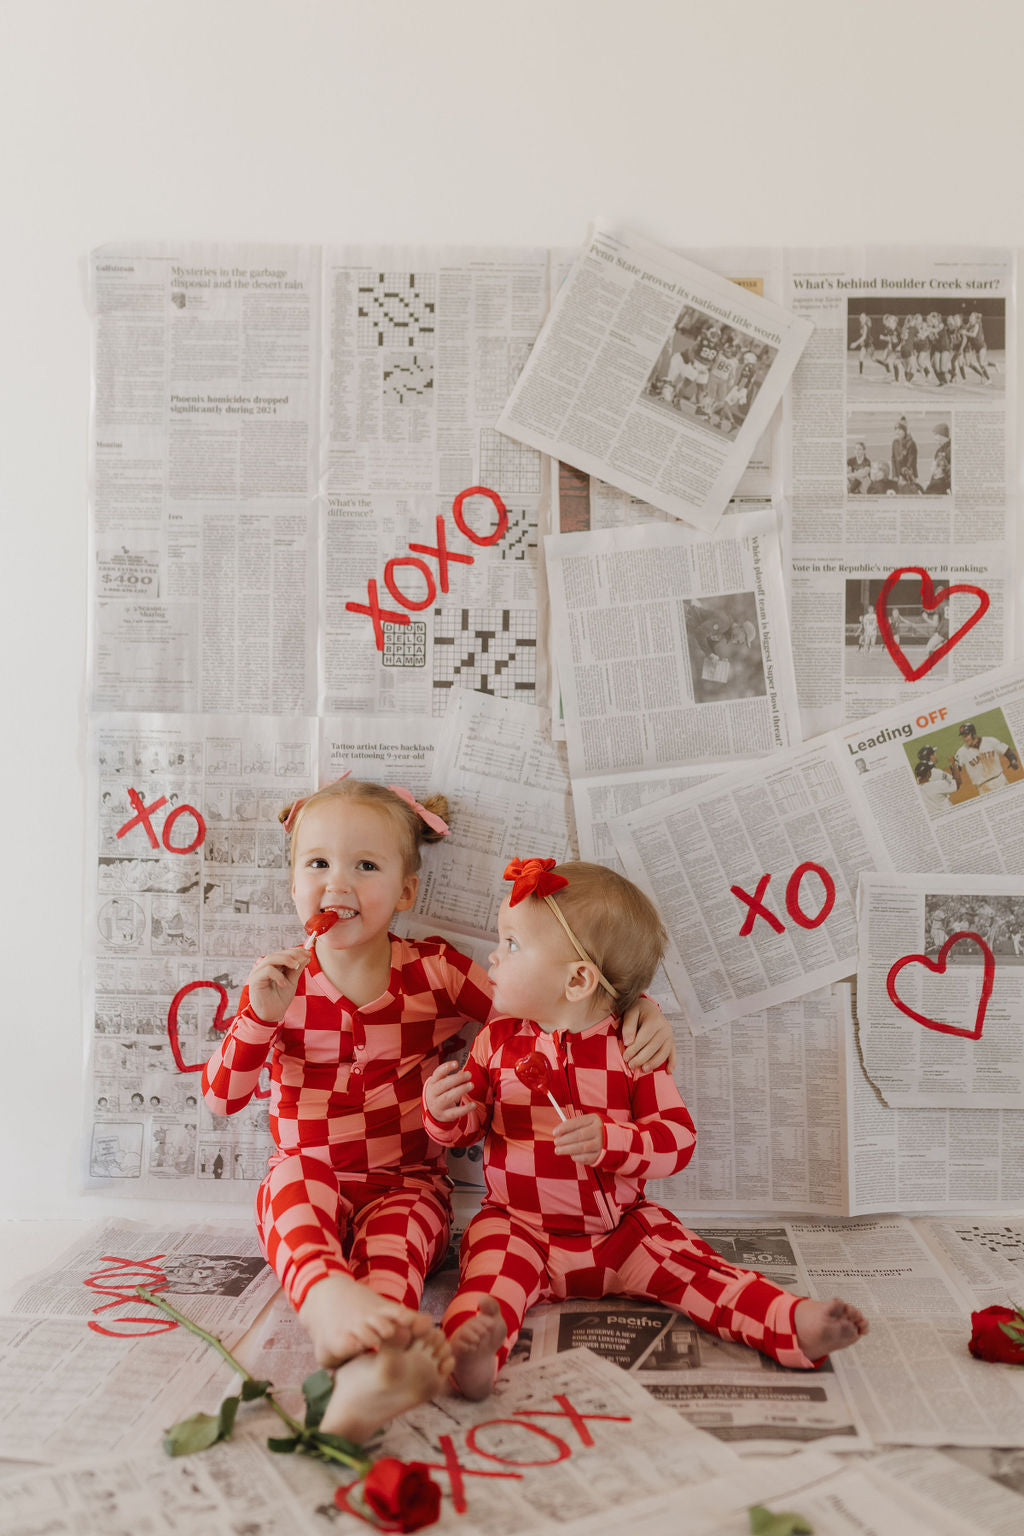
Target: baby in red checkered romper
355 1208
571 1132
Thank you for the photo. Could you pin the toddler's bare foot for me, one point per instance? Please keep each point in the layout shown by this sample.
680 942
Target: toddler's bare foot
822 1327
475 1345
344 1317
373 1389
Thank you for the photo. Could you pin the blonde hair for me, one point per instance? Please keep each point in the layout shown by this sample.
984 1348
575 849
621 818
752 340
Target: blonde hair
617 925
412 829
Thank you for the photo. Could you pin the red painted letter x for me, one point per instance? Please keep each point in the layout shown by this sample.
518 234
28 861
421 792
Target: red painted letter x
757 907
373 609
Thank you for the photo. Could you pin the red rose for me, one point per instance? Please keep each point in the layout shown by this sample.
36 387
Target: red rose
401 1495
989 1342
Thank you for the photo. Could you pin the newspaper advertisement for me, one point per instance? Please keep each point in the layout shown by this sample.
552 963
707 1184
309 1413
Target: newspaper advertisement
218 1267
508 796
942 778
431 515
940 990
911 1377
674 648
203 478
735 1393
655 374
191 884
755 876
899 436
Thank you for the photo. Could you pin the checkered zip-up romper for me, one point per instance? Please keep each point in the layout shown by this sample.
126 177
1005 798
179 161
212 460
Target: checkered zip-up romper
551 1228
356 1185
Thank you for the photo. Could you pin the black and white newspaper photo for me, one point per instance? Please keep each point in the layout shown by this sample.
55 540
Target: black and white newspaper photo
655 374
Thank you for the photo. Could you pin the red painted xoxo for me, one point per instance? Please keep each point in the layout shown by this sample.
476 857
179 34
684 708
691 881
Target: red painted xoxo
119 1284
930 600
756 907
379 616
938 967
143 816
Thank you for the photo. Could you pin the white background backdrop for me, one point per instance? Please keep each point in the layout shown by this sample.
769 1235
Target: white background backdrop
702 122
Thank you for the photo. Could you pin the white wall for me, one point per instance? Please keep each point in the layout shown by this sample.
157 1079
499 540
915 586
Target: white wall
797 121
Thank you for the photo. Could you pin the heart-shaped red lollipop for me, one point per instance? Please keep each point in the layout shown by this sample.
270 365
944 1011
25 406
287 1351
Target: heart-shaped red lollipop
534 1073
319 923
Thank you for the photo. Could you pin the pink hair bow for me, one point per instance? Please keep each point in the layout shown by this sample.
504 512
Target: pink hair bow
297 805
532 877
433 822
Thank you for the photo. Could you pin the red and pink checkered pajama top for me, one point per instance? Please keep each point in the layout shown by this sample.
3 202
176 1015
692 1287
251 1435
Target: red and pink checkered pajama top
346 1082
648 1132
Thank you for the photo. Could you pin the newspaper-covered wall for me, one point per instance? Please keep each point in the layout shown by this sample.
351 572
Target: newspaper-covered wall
900 453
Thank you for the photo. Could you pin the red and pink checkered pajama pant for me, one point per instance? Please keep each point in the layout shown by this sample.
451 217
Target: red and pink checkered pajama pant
314 1222
650 1254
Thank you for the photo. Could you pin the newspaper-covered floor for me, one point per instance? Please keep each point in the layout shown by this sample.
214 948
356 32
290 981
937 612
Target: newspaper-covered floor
605 1412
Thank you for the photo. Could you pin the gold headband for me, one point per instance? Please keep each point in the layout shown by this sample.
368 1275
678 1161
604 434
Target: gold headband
578 947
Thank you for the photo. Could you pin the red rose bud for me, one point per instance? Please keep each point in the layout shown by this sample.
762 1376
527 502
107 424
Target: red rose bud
319 923
532 1072
401 1494
989 1340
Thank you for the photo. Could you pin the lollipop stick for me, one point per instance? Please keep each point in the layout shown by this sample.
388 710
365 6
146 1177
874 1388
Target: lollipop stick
558 1108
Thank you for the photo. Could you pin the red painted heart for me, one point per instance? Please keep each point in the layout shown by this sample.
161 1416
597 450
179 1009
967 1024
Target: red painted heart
172 1021
930 600
938 967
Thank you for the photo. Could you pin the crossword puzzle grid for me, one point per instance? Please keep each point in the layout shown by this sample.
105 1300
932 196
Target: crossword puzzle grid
509 468
396 309
489 650
520 538
407 379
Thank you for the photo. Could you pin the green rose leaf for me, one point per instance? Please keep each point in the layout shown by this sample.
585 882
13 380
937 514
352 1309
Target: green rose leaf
765 1522
252 1389
228 1410
337 1443
317 1389
196 1433
284 1445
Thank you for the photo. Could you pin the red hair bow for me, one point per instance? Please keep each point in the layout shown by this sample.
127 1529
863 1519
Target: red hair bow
532 877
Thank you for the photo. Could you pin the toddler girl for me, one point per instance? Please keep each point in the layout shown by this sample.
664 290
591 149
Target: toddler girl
355 1209
571 1132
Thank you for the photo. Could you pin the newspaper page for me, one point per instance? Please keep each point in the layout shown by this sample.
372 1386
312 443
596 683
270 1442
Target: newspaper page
600 801
940 989
69 1391
232 1487
766 1096
911 1378
215 1272
900 454
755 876
203 478
673 648
942 779
655 374
191 884
985 1254
431 545
558 1440
508 795
735 1393
954 1487
926 1159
